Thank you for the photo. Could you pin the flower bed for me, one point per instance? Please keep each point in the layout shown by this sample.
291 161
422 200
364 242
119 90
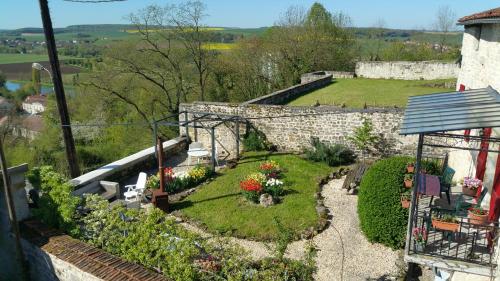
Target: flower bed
174 184
263 184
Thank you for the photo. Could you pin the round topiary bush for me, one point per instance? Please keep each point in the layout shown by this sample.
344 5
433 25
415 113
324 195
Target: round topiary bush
382 218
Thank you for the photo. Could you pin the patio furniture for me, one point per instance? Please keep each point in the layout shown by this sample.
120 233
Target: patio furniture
135 191
462 205
445 182
196 150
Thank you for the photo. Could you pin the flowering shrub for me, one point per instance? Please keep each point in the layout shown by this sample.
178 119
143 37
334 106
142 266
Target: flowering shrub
270 168
472 183
274 187
265 181
419 234
199 173
153 182
251 189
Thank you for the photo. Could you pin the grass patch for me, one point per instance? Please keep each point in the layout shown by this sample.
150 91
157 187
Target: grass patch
22 58
221 208
374 92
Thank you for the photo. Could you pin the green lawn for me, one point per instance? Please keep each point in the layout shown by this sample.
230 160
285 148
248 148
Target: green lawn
22 58
374 92
221 208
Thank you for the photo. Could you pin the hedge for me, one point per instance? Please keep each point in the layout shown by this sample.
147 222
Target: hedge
382 218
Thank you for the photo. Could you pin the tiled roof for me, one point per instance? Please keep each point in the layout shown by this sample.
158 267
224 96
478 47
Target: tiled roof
85 256
490 14
36 99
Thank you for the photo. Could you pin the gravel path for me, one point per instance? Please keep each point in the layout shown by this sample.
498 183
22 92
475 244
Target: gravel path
361 259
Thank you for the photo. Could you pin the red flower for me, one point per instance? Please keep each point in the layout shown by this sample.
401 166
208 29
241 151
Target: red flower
251 185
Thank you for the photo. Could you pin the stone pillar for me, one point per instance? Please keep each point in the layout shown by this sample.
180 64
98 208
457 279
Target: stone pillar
18 184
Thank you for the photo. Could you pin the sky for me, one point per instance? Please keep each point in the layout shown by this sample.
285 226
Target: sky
404 14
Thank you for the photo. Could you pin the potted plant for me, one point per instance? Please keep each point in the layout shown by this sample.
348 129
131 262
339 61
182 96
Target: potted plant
410 167
420 237
408 180
446 223
478 216
470 186
405 200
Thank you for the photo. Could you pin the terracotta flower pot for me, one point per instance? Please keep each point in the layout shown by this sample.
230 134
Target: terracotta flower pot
405 203
478 219
408 183
410 169
469 192
446 226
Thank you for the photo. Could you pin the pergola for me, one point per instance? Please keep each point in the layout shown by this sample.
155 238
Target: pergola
208 121
444 120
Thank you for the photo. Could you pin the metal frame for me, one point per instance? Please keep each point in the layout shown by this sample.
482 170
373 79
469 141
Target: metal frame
197 123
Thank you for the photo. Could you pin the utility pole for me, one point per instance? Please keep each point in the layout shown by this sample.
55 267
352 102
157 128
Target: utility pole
12 215
74 169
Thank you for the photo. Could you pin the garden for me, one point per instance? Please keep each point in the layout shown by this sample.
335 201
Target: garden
264 187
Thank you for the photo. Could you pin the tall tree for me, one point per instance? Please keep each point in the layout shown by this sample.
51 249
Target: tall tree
445 23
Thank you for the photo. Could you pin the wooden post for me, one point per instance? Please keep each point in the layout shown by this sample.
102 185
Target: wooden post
212 133
161 169
12 215
74 169
237 138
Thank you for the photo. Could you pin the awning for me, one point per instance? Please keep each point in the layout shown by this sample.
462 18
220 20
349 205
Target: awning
472 109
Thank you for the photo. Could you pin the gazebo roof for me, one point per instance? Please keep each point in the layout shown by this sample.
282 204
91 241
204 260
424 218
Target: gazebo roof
472 109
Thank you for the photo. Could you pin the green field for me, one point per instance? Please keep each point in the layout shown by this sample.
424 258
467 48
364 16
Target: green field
374 92
22 58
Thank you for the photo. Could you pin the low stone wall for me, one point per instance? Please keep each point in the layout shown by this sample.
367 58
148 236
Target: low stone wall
123 168
283 96
308 77
407 70
55 256
291 128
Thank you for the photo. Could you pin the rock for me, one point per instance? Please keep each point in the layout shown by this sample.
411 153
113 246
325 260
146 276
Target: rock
266 200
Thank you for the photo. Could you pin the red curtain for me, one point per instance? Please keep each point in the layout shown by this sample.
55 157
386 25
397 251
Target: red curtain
482 157
495 194
467 132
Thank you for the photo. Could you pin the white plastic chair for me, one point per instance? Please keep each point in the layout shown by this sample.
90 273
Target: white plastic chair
135 191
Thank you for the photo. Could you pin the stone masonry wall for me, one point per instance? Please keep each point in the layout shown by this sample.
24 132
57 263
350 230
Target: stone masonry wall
407 70
291 128
308 77
283 96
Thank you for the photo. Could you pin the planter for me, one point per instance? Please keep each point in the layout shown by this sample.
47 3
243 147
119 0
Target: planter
478 219
446 226
410 169
469 192
405 203
419 247
408 183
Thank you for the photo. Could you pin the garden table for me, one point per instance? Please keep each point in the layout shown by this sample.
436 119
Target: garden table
198 154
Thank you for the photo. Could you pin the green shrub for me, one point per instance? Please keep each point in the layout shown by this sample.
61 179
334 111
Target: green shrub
56 207
255 141
333 155
382 218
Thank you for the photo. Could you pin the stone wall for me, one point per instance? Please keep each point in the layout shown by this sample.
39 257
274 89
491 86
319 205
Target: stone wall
54 256
132 164
291 128
308 77
283 96
407 70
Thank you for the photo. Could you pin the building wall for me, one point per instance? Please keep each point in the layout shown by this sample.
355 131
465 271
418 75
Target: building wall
291 128
407 70
308 77
33 108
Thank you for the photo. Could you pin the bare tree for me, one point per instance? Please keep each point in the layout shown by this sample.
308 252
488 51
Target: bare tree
445 23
